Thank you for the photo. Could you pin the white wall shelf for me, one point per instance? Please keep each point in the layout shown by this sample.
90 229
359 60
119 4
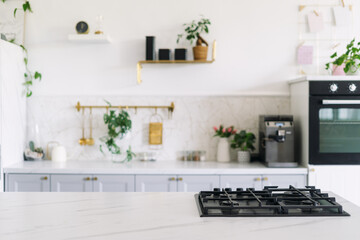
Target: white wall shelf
89 38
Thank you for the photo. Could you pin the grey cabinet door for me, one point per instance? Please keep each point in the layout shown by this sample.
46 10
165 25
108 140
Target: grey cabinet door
284 180
28 183
71 183
240 181
197 183
155 183
114 183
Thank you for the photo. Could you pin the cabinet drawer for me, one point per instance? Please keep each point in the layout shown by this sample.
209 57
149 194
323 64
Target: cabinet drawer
71 183
28 183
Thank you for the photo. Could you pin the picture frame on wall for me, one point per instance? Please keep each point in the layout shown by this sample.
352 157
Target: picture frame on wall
12 27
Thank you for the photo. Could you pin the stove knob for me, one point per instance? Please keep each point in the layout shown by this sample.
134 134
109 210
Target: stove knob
239 189
333 87
352 87
228 189
216 189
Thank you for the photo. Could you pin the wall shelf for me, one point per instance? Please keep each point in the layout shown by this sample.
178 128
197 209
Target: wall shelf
139 64
89 38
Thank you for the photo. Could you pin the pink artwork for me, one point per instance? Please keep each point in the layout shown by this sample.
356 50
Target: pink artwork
316 22
305 55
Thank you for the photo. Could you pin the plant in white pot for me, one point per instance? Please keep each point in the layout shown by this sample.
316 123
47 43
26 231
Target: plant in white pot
193 31
244 141
349 61
117 142
223 150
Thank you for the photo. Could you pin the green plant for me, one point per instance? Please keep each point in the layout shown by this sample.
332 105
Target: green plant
26 7
350 58
28 75
244 141
194 29
118 125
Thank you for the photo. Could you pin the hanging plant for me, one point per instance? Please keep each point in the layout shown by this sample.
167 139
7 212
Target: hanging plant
28 75
118 125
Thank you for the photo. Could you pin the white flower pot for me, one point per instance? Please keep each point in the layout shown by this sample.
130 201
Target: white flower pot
243 156
223 151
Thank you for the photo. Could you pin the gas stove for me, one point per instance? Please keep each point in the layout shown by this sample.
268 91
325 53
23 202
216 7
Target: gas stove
269 202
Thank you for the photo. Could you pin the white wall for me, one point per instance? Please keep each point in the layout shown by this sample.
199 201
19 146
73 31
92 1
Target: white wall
255 53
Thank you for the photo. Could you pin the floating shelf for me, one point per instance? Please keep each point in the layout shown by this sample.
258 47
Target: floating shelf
89 38
139 64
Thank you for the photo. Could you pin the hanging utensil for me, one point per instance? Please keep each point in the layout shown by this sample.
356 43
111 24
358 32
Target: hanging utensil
156 129
82 140
90 141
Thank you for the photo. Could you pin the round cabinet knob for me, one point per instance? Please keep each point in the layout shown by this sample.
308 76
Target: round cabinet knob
334 87
352 87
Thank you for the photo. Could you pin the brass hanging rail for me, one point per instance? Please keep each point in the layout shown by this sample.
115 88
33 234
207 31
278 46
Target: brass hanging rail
169 108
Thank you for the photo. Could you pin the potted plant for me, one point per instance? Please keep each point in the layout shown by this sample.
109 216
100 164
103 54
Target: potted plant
119 126
193 31
349 61
245 142
223 150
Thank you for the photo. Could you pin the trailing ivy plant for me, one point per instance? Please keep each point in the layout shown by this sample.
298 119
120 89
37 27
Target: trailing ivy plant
28 75
351 58
118 125
26 7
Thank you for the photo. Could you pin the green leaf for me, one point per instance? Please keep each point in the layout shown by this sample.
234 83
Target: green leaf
38 75
15 10
334 55
27 7
29 93
25 61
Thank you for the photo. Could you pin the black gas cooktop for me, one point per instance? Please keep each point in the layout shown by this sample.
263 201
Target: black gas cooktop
271 201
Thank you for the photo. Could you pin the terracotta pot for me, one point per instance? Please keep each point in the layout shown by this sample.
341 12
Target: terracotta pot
200 52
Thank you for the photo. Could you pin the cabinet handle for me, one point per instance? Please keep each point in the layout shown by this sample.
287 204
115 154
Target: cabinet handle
172 179
44 178
265 179
257 179
87 179
94 178
180 179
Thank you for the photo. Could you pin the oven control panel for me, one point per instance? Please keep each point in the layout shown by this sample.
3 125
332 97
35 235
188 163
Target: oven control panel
335 87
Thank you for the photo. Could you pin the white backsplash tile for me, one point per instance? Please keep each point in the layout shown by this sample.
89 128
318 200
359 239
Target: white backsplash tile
190 127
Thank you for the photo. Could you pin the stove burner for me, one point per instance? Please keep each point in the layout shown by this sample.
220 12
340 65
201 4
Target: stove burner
271 201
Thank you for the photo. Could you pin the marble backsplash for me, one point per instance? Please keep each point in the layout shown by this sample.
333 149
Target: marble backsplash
189 128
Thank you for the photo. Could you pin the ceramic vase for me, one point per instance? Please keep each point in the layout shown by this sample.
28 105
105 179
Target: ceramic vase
243 156
223 151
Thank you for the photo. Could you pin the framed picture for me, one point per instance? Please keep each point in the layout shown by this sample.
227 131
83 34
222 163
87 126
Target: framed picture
12 27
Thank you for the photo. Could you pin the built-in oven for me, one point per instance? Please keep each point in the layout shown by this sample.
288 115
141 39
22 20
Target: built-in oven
334 122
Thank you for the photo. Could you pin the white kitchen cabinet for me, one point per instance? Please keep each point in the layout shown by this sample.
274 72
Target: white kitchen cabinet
71 183
241 181
340 179
113 183
197 183
176 183
283 181
156 183
28 183
260 181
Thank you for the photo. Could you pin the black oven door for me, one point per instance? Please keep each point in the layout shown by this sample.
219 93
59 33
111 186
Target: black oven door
334 130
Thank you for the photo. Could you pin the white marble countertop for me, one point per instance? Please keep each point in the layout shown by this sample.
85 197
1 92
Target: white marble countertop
137 167
325 78
153 216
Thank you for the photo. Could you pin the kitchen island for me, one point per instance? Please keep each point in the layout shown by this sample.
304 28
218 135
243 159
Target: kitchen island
153 216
